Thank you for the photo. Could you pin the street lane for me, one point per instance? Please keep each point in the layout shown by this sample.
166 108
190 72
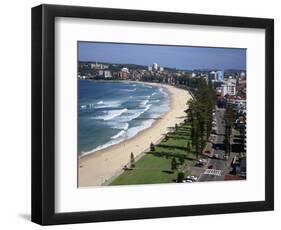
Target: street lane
219 163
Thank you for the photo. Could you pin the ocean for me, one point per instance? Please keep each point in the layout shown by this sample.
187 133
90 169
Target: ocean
111 112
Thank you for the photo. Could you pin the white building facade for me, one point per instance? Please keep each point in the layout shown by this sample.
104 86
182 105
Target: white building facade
229 87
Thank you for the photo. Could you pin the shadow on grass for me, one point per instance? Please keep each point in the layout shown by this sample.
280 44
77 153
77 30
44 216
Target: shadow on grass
180 133
172 146
178 137
183 130
168 171
128 169
169 155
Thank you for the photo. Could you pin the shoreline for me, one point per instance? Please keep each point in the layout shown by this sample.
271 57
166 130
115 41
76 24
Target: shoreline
155 119
98 168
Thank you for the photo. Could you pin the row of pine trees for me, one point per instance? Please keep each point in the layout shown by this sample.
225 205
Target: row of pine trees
199 114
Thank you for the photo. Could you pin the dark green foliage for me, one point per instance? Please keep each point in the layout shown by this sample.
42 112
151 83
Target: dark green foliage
132 160
180 177
188 147
200 115
229 117
243 138
152 147
174 164
181 159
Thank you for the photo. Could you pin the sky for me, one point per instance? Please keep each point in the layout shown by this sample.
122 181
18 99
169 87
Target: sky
180 57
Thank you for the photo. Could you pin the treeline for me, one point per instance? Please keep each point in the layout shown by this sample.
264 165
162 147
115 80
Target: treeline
200 114
229 117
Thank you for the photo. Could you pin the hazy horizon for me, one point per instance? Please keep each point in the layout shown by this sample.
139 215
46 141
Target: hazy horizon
179 57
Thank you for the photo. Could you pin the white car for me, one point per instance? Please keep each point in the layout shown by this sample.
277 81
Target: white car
192 178
202 160
216 156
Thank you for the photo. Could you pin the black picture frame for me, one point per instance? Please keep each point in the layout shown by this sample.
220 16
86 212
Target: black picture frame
43 114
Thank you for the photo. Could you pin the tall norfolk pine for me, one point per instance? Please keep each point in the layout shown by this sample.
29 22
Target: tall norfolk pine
200 115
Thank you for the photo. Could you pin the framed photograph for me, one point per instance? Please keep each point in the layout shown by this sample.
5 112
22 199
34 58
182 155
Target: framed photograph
142 114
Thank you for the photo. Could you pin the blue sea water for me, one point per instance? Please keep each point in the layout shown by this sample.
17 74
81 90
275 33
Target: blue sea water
111 112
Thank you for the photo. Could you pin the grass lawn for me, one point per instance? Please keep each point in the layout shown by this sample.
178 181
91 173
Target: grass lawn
155 167
150 169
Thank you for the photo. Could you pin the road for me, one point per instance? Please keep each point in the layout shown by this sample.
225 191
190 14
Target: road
219 164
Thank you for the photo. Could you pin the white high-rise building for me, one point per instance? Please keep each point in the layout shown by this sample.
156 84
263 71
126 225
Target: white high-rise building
220 75
155 66
229 87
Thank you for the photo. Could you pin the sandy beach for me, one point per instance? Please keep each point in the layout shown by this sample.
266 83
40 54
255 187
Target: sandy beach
98 168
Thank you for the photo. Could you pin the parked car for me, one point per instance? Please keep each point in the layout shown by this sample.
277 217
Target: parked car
193 178
203 160
216 156
207 152
210 166
199 164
